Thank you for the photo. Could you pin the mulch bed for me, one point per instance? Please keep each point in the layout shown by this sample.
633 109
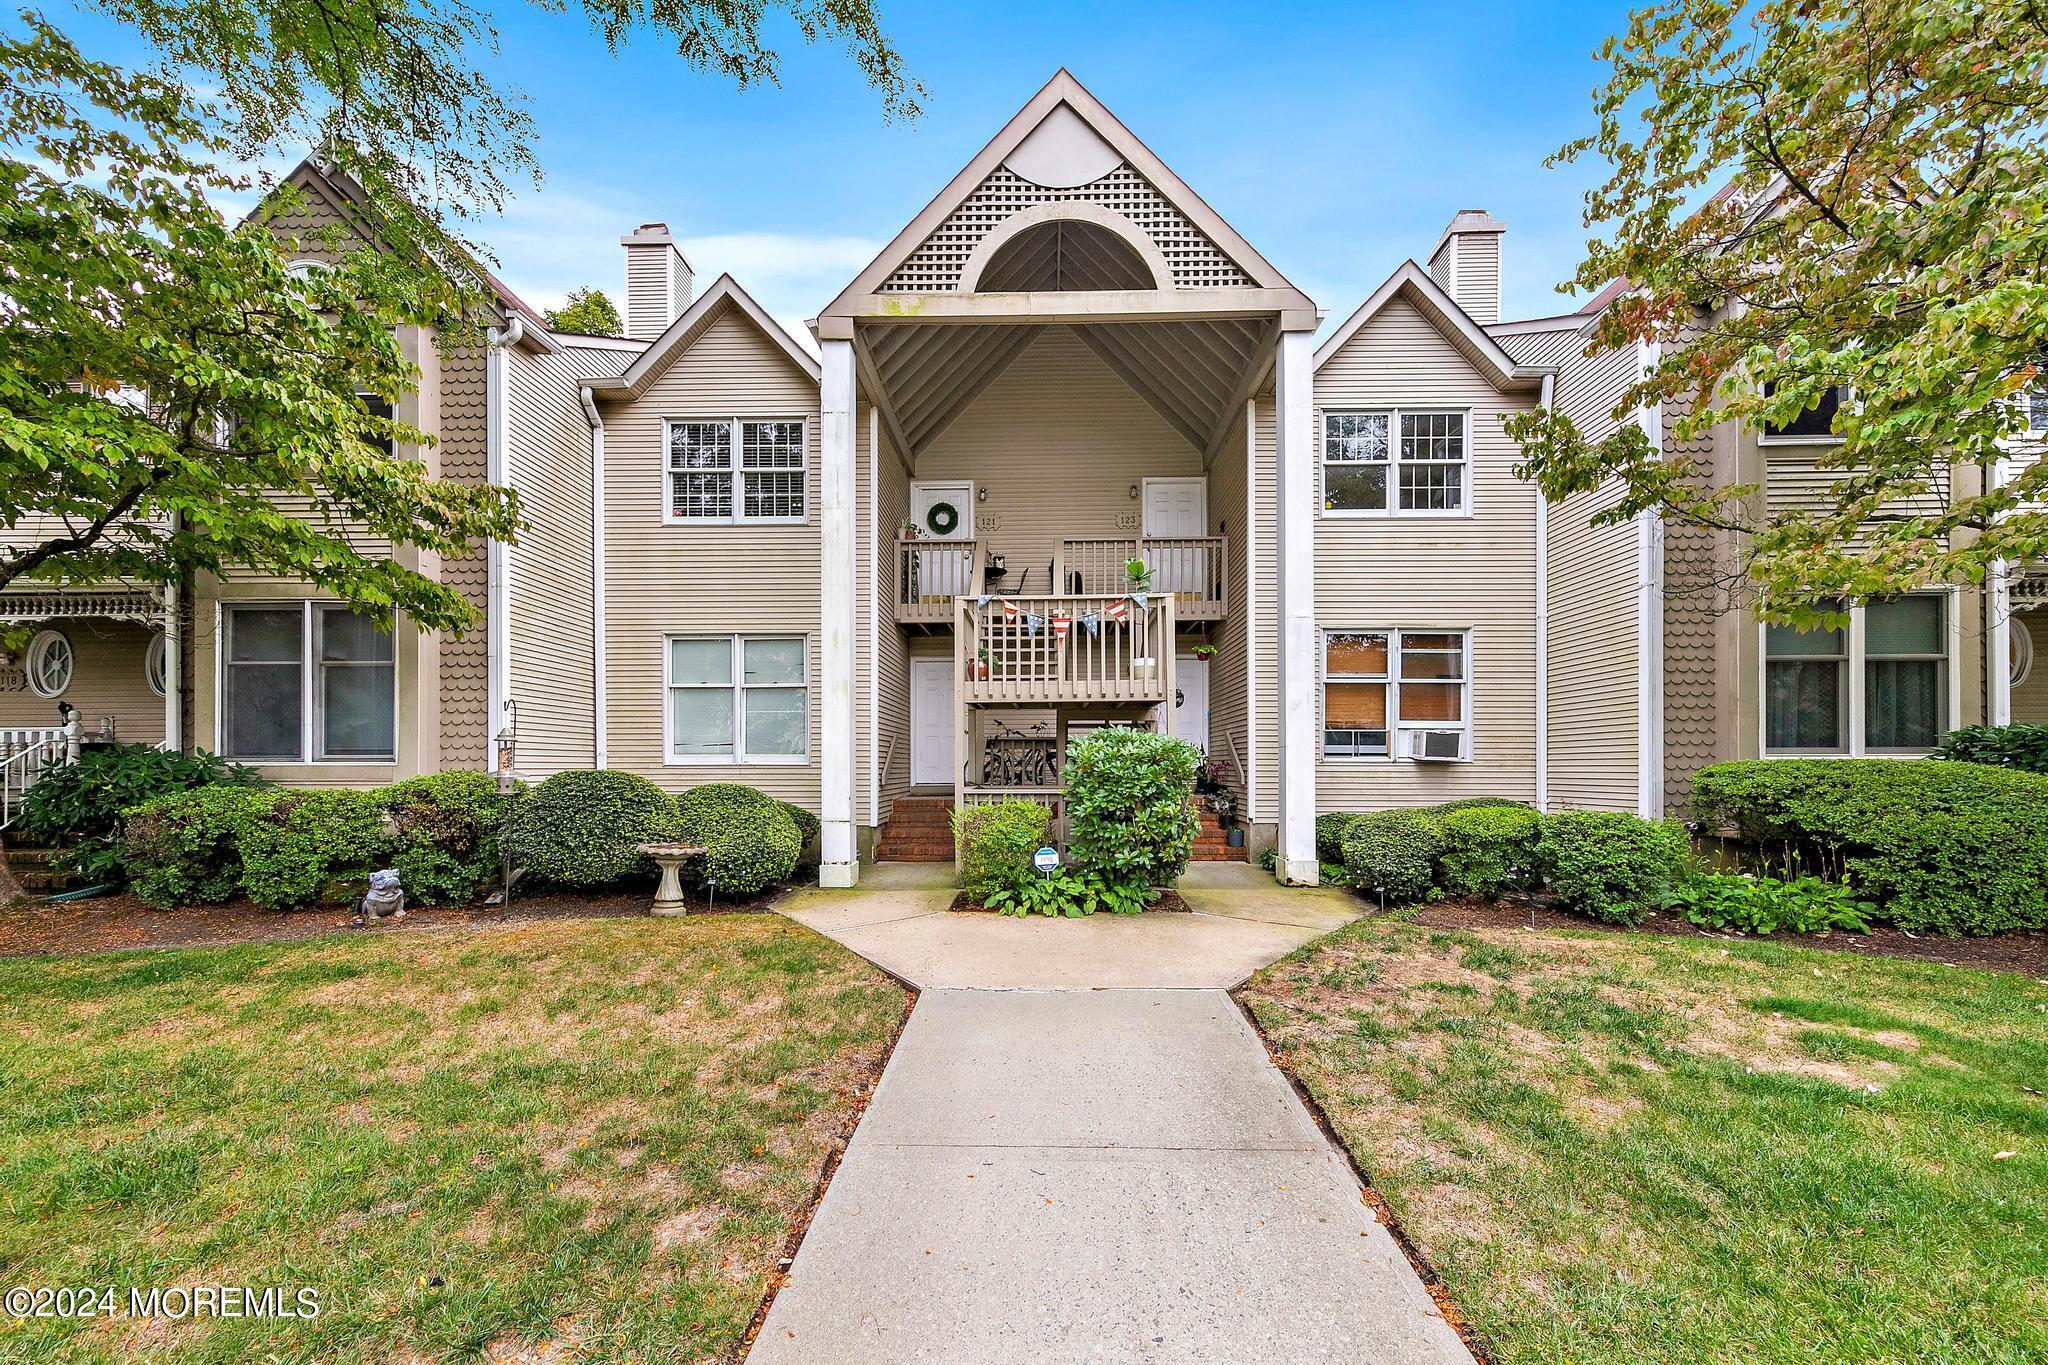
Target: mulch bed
2024 951
1169 903
109 924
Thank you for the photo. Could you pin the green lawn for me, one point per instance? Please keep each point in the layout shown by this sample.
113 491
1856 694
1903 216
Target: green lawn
1620 1148
593 1134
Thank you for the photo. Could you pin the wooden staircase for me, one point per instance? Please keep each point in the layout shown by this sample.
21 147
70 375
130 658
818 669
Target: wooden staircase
1212 841
920 830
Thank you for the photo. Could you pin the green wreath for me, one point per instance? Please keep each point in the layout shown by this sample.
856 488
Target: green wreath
942 517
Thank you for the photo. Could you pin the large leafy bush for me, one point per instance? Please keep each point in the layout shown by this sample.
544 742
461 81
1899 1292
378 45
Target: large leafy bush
1330 831
80 804
750 840
1393 853
310 847
1609 866
1489 849
185 848
1764 905
2002 746
585 828
996 842
1130 806
1946 846
446 830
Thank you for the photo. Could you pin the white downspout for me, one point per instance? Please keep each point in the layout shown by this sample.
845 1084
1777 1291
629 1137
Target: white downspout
1543 630
497 588
600 732
1998 629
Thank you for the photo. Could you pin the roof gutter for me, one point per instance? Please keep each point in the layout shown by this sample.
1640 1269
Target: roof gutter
600 732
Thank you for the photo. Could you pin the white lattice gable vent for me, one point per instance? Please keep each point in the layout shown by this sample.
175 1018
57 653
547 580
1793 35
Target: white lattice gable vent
936 265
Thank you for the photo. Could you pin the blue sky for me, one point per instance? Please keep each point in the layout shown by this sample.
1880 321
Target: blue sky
1339 139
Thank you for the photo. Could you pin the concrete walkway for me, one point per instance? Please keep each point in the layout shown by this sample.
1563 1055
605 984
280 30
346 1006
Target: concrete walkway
1079 1151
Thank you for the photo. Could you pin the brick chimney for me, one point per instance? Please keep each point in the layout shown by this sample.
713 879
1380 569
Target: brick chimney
657 281
1466 263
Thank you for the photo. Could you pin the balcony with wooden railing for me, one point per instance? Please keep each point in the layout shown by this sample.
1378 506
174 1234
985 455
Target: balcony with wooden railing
1015 649
930 574
1189 569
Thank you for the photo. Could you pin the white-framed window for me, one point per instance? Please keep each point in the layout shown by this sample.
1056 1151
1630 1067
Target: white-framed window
1815 426
156 663
49 663
736 699
740 469
1883 683
1396 461
1381 685
380 408
2037 410
306 682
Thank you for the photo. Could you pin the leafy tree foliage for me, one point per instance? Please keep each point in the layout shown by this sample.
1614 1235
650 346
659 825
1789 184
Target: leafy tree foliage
586 312
1809 195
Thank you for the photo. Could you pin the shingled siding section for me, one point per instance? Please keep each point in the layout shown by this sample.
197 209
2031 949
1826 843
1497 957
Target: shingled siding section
465 665
1693 627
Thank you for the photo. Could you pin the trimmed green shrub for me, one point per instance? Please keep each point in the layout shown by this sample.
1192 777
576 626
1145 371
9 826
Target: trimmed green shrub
311 847
446 829
185 848
1938 845
750 840
1130 806
807 829
585 828
996 842
1393 853
2024 747
80 804
1608 866
1489 849
1330 832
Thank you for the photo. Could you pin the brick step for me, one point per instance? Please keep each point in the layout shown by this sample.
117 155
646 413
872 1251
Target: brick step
22 857
1218 855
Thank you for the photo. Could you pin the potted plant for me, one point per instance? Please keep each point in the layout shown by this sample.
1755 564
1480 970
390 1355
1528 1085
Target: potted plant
907 531
981 665
1204 652
1140 575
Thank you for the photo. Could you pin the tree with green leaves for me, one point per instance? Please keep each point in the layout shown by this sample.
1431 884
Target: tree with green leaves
1812 198
168 384
586 312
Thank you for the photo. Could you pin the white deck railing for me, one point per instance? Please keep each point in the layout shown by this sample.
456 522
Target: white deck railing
25 755
931 573
1190 569
1014 649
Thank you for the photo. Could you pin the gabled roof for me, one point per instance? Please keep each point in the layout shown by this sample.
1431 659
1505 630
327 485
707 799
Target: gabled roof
723 295
1413 284
1063 90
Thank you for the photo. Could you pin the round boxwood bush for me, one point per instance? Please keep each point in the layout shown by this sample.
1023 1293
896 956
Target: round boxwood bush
313 847
1489 849
1330 831
186 848
586 828
447 827
807 826
1608 866
750 840
1393 853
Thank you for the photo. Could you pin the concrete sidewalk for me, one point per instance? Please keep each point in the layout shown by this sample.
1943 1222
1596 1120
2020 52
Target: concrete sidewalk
1114 1171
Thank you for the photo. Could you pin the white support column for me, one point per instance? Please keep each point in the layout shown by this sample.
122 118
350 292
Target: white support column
839 863
1998 644
174 672
1297 670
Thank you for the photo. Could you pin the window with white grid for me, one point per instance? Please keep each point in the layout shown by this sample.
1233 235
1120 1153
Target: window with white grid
700 471
772 470
1394 462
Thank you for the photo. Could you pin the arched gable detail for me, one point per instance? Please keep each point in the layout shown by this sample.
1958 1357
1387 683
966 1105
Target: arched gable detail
1064 210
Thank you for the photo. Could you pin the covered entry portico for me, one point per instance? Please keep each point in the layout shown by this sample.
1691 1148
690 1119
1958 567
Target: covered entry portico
1065 247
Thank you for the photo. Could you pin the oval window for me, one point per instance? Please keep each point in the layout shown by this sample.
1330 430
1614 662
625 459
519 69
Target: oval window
153 664
49 664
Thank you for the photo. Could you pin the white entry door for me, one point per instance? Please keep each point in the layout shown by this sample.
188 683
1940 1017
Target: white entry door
1191 700
925 497
1176 507
932 738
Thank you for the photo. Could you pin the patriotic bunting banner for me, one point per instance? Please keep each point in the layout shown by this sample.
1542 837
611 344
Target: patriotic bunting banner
1060 625
1118 610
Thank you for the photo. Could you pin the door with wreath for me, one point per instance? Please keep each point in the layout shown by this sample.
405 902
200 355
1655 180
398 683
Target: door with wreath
943 511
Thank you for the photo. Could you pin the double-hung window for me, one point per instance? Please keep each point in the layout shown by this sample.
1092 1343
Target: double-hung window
1381 685
1395 461
1816 425
737 699
1877 684
736 470
307 682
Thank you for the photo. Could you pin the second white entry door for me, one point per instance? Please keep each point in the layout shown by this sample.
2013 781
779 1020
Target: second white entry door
932 738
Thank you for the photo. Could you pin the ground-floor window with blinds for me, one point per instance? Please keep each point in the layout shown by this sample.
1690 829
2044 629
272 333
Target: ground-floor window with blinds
1877 682
1381 688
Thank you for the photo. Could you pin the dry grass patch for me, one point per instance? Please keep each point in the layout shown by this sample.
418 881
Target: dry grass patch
564 1139
1619 1148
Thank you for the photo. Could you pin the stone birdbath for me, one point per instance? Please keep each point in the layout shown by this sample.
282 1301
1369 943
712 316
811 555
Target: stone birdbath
668 897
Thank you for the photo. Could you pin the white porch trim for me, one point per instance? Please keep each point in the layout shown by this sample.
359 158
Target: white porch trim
839 862
1294 441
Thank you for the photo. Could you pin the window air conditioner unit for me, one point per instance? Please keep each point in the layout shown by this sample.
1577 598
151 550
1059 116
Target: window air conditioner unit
1436 746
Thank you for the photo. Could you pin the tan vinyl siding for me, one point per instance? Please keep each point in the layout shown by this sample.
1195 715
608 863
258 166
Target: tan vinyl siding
107 680
1229 698
892 709
1457 572
1478 291
741 579
1264 594
549 582
2030 697
1057 440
